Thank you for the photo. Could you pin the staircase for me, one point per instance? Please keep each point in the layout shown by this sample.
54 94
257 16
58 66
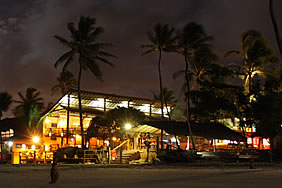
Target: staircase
127 156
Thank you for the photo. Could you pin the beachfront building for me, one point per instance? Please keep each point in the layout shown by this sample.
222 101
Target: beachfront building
61 125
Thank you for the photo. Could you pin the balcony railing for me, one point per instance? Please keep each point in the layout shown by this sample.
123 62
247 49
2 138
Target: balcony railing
60 132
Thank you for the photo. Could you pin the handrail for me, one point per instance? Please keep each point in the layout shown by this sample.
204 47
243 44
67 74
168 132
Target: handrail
120 145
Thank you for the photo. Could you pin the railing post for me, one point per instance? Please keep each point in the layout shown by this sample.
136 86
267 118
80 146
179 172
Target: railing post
158 142
120 155
109 155
20 157
34 156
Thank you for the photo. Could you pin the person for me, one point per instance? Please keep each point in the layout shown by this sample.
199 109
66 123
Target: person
54 173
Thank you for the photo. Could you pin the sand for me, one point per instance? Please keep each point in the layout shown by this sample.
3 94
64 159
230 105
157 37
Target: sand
171 176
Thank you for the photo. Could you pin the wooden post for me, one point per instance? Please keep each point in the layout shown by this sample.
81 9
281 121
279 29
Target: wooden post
109 154
20 158
162 138
105 105
68 119
158 142
1 146
150 110
34 156
45 157
120 155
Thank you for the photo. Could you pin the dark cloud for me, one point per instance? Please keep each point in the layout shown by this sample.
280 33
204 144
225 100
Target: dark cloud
28 50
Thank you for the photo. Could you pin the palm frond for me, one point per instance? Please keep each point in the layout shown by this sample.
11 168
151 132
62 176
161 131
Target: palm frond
63 41
70 59
148 51
105 61
93 36
64 57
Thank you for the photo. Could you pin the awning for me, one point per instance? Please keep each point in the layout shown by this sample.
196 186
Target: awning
206 130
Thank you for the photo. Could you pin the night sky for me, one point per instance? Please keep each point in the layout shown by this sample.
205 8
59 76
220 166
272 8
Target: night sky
28 49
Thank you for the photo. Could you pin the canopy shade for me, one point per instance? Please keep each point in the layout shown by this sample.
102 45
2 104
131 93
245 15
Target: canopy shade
206 130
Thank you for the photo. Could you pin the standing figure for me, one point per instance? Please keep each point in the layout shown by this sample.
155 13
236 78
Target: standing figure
54 173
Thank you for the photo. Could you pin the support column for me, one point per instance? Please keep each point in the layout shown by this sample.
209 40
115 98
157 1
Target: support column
162 138
68 119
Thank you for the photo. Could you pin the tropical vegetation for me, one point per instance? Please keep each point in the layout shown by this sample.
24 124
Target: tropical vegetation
88 50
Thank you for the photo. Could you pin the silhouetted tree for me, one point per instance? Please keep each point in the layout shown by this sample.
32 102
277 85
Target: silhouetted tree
65 82
191 39
5 102
256 54
30 107
84 44
162 40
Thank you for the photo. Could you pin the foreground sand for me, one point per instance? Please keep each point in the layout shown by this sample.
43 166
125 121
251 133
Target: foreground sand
140 176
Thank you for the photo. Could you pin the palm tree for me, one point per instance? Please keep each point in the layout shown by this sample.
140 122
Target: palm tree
275 26
66 81
201 67
84 44
191 40
255 54
162 40
30 107
5 102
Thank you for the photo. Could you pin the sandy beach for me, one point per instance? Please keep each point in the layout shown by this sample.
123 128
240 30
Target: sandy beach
140 176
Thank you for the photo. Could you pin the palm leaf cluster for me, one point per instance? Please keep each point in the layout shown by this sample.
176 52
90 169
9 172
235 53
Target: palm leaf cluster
84 44
29 107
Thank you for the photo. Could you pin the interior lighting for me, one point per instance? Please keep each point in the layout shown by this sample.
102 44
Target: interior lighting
33 147
114 139
10 144
23 146
35 139
127 126
47 120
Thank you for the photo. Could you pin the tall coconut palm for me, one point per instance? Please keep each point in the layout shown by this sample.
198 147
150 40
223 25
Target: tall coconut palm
30 107
66 81
191 39
84 44
255 54
162 40
5 102
275 26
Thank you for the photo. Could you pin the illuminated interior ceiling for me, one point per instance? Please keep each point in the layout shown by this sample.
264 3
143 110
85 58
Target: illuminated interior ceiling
145 129
94 102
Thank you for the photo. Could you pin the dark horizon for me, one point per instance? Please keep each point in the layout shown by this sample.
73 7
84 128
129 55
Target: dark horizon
29 50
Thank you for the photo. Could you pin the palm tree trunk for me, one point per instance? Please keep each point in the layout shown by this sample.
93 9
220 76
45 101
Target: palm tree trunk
275 27
188 100
161 92
80 107
161 83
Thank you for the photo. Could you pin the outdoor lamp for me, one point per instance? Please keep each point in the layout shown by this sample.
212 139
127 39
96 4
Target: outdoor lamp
35 139
10 143
127 126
